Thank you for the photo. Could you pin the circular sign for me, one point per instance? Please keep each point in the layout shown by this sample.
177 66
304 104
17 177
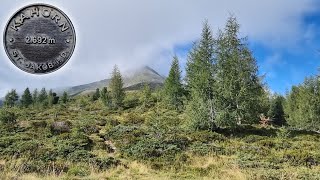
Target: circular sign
39 39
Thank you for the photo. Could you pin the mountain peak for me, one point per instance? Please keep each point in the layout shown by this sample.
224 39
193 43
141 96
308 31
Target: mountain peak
133 79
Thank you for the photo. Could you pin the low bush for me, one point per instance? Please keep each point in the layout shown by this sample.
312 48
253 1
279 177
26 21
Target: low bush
253 138
202 149
133 118
106 163
207 136
7 117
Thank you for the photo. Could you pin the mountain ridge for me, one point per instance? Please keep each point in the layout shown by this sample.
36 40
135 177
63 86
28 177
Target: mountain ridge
133 79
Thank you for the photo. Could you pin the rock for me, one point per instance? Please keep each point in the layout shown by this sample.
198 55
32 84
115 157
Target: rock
111 148
61 127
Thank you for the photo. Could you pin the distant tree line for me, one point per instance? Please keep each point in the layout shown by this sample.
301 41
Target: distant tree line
42 98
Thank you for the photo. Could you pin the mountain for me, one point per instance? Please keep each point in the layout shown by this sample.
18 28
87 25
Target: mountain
133 80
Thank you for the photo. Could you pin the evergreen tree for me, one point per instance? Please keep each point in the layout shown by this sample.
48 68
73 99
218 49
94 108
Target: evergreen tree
103 94
302 105
239 88
146 96
52 98
11 98
43 97
105 97
35 96
96 95
173 88
116 86
200 81
65 97
276 112
26 98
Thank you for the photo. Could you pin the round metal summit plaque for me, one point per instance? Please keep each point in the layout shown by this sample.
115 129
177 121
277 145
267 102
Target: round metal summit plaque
39 39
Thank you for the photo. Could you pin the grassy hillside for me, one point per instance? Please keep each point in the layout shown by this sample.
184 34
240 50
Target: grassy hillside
84 140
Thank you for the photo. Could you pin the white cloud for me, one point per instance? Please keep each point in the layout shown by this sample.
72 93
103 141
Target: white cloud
134 33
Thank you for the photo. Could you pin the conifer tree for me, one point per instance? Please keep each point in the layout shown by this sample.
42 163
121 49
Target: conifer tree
65 97
35 96
200 81
173 88
105 97
26 98
276 112
96 95
11 98
302 105
52 98
116 86
43 97
146 96
238 85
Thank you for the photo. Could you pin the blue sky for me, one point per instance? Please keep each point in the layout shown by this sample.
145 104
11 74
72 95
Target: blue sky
287 66
283 35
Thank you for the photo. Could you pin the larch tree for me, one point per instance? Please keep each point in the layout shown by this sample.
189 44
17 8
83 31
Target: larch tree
116 86
65 97
146 96
276 111
35 96
105 97
43 95
96 95
302 105
26 98
173 88
238 85
200 80
11 98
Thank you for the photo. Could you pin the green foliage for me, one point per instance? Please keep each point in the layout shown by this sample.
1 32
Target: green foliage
238 85
198 114
7 116
83 137
11 98
146 97
65 97
173 88
153 148
52 98
35 97
200 80
43 97
204 149
83 102
105 97
78 171
302 105
283 133
96 95
207 137
116 86
276 111
26 98
106 163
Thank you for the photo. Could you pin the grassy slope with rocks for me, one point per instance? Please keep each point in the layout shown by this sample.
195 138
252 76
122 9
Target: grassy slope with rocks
85 140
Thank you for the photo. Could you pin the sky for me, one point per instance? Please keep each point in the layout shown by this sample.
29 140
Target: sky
283 35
